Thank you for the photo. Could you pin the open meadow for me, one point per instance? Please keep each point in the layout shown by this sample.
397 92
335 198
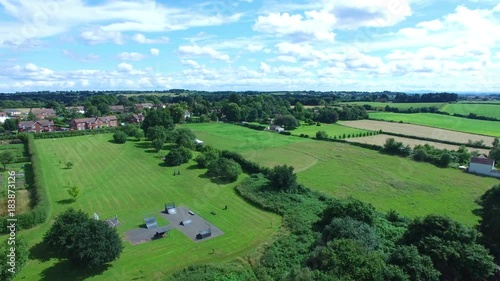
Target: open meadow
381 138
482 127
418 131
130 181
488 110
341 170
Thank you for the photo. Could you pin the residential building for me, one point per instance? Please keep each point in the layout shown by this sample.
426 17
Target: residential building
93 123
12 111
43 113
116 108
276 128
136 118
483 166
142 106
36 126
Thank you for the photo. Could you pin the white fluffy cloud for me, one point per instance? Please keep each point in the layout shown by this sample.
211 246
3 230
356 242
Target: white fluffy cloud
132 56
196 50
40 19
319 24
142 39
154 52
98 36
124 67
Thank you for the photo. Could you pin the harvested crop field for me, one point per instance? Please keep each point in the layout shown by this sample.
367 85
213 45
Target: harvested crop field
380 140
418 131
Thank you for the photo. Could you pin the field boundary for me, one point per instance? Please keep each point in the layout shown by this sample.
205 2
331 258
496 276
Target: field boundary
401 122
435 140
39 195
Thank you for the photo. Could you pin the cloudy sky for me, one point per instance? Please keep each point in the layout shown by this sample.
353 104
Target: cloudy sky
396 45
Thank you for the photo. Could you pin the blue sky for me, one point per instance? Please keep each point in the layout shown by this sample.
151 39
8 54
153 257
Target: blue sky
396 45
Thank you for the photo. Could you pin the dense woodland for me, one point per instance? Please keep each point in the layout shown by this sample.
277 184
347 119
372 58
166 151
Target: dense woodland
330 239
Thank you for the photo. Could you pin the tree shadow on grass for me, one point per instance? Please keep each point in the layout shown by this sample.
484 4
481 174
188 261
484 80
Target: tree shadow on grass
65 270
65 201
44 252
194 167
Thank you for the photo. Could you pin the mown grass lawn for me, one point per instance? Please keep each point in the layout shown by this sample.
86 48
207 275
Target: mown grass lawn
488 110
129 181
340 170
490 128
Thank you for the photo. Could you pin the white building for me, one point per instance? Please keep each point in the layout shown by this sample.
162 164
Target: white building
197 141
3 117
276 128
483 166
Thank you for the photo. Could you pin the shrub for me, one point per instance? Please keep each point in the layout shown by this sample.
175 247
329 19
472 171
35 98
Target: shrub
120 137
178 156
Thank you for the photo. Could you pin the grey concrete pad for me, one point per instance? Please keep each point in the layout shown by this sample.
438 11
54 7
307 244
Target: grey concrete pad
141 235
192 229
197 224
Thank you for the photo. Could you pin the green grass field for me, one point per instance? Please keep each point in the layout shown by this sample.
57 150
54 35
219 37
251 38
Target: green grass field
489 128
398 105
488 110
129 181
388 182
330 129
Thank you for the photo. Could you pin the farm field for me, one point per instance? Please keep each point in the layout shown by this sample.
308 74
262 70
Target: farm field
341 170
417 130
380 140
489 128
130 182
330 129
488 110
397 105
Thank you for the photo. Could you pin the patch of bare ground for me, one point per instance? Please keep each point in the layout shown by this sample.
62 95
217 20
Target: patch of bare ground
380 140
417 130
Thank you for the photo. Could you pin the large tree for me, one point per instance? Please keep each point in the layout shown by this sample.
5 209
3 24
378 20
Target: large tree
120 137
85 241
10 124
224 168
159 117
489 224
345 259
6 157
178 156
232 111
283 178
286 121
451 246
418 267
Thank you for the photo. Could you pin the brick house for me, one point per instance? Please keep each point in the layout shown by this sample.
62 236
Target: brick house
117 108
36 126
43 113
93 123
136 118
141 106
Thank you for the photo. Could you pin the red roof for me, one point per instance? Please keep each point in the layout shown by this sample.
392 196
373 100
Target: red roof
482 160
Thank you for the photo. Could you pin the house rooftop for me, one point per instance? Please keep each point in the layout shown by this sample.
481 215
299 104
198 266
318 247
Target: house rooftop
482 160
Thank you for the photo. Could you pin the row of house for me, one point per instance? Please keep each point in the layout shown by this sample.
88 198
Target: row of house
41 126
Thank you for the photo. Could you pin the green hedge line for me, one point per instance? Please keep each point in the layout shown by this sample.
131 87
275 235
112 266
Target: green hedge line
246 165
39 197
65 134
434 140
